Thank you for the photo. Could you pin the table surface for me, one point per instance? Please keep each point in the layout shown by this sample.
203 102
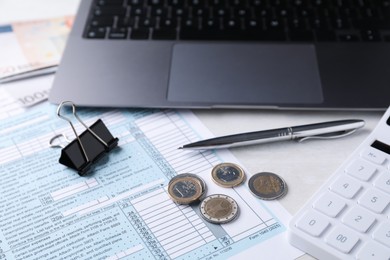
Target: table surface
304 166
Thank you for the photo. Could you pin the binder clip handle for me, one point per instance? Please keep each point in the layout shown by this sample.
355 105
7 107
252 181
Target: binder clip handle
81 122
59 143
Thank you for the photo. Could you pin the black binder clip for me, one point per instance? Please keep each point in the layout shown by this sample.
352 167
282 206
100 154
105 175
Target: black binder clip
88 147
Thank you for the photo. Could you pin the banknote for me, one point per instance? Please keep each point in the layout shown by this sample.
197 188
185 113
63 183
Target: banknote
27 93
30 45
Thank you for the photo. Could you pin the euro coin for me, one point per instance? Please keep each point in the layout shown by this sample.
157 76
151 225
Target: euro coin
219 209
185 189
228 175
194 176
267 186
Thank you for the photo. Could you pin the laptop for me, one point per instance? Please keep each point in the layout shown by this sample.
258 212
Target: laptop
282 54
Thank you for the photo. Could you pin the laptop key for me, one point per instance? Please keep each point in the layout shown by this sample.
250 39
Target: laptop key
301 35
109 2
156 2
146 22
158 11
96 33
168 23
140 34
274 24
102 22
274 35
164 34
135 2
238 3
372 23
320 24
242 12
217 3
126 22
325 35
220 12
253 24
340 23
138 11
179 11
348 37
176 2
189 23
109 11
211 24
195 34
228 34
232 24
297 24
198 3
117 33
370 35
199 12
262 12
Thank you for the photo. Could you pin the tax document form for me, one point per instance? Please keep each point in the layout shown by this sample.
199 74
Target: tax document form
121 209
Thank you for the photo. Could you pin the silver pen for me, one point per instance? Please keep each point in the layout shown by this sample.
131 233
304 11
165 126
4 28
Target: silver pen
324 130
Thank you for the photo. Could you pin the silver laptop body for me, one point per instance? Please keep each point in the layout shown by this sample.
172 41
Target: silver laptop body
236 73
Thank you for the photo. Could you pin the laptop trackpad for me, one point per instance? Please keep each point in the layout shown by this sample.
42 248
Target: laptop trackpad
244 74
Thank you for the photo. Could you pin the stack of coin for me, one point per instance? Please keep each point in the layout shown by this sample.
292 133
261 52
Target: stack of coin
186 188
267 186
228 175
219 209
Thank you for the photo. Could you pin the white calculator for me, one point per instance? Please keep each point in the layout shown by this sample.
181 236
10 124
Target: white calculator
349 216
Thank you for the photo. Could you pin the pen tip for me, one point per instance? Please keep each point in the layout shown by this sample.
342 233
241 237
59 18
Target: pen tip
180 148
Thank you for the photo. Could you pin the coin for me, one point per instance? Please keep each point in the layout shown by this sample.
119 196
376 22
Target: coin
267 186
202 182
228 175
186 188
219 209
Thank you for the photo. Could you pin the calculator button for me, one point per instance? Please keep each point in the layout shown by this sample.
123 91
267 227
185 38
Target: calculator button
342 239
312 223
373 155
374 200
346 187
383 182
359 219
329 204
382 233
373 251
361 169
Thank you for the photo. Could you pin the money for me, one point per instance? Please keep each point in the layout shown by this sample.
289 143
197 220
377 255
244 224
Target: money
228 175
219 209
31 45
267 186
186 188
31 92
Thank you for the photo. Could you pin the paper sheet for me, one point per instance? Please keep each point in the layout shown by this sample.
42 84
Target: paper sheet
9 105
122 210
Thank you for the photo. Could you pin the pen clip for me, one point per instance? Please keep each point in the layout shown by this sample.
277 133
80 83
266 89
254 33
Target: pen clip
327 136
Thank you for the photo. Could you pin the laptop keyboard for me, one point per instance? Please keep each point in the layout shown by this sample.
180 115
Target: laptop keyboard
242 20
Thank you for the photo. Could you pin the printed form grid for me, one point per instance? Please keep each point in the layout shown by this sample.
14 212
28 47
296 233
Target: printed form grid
166 131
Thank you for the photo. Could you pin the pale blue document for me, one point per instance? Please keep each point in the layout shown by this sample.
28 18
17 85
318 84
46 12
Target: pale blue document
121 209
